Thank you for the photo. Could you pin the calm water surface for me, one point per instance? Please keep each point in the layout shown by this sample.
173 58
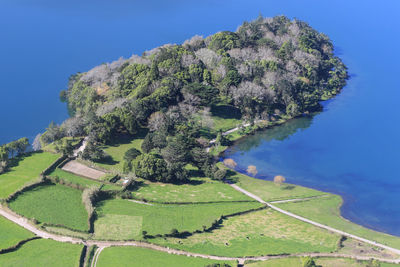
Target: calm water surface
352 148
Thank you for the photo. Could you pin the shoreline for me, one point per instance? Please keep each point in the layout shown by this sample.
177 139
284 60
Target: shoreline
221 155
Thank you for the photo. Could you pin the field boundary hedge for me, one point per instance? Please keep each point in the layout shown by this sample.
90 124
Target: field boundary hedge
188 202
82 259
27 187
213 226
53 166
18 245
45 224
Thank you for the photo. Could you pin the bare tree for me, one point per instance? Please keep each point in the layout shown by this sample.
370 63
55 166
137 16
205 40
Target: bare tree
208 57
188 59
73 126
279 180
206 119
156 121
194 43
230 163
251 169
36 145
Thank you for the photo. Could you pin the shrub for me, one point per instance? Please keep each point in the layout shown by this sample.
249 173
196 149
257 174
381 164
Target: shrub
219 174
131 154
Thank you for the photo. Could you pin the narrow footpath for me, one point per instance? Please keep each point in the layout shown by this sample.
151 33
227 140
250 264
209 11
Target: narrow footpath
394 250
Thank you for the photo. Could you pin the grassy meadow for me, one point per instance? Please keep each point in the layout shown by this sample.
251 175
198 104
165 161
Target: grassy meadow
141 257
117 151
11 234
25 169
325 262
200 190
85 182
327 211
72 178
56 204
43 252
257 233
269 191
113 216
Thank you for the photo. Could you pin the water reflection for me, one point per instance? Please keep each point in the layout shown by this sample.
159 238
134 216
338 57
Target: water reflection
278 133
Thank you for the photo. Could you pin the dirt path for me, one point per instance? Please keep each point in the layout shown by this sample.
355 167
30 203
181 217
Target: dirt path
96 256
394 250
82 147
103 244
296 199
230 131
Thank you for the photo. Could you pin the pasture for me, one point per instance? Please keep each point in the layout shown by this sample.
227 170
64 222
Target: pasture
257 233
55 204
24 169
141 257
72 178
199 190
161 219
325 262
117 151
269 191
327 211
11 234
78 180
43 252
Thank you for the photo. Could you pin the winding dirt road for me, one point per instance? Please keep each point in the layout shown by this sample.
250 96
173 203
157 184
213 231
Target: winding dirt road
8 214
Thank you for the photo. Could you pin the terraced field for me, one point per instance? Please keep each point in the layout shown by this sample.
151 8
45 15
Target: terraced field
43 252
200 190
141 257
113 216
24 169
258 233
11 234
55 204
78 180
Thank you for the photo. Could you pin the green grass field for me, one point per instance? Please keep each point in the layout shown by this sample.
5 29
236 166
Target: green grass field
225 117
54 204
52 148
287 262
323 262
11 234
159 219
27 169
117 152
72 178
326 211
206 190
257 233
269 191
43 252
141 257
85 182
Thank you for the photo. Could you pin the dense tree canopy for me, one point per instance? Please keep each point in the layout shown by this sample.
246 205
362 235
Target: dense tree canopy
266 67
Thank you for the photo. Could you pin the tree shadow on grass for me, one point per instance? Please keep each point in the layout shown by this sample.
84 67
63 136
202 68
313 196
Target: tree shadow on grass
108 160
230 177
125 138
14 162
288 187
226 112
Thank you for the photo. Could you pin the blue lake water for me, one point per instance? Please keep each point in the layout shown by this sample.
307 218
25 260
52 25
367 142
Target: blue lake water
352 148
